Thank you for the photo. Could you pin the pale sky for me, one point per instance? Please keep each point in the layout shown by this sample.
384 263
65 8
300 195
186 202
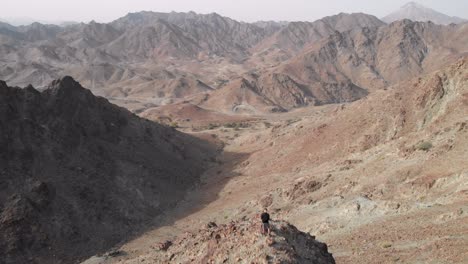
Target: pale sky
243 10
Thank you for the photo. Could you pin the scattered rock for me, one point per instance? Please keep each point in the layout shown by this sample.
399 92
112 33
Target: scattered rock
115 253
164 246
211 225
287 244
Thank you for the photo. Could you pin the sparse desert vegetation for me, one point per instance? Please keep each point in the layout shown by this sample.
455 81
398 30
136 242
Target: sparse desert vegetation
424 145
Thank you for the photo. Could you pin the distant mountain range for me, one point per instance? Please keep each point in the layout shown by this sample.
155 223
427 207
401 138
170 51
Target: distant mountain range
418 12
145 54
223 64
24 21
412 11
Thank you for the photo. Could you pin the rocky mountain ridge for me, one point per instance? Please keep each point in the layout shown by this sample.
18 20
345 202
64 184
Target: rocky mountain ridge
346 66
80 174
139 46
151 57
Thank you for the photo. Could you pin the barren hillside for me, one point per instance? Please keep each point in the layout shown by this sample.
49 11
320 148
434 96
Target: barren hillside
349 129
80 174
379 180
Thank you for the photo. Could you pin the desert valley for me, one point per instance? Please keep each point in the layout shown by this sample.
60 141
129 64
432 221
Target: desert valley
160 137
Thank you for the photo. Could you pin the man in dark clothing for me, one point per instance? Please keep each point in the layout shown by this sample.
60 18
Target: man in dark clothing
265 217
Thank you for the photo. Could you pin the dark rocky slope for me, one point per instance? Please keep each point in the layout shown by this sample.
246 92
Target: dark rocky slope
78 174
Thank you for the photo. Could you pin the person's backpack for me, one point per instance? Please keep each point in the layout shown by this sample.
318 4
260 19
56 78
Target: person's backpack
265 217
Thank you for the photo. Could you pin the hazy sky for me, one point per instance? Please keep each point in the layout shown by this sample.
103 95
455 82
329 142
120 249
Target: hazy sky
245 10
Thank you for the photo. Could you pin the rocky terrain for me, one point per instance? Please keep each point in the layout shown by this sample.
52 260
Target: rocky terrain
150 59
347 128
343 67
379 180
375 58
157 55
237 242
79 174
418 12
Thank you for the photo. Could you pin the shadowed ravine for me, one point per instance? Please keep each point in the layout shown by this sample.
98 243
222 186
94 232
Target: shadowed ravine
80 174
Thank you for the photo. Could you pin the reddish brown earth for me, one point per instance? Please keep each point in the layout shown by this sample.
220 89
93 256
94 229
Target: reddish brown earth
380 180
186 115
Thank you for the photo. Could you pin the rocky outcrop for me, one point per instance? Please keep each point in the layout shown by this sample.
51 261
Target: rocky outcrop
78 174
241 242
211 32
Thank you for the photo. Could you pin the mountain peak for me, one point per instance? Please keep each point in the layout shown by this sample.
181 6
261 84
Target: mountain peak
67 87
66 81
413 4
417 12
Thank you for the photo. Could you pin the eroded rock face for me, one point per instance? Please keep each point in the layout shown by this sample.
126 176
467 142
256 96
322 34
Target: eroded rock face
241 242
78 174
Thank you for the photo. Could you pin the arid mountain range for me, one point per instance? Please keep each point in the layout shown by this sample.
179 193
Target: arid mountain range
353 130
160 58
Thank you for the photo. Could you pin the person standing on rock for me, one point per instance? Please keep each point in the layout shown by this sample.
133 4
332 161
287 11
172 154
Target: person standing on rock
265 217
